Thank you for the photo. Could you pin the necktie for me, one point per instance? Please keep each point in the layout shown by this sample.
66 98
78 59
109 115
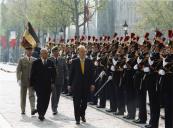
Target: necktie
82 66
29 58
56 61
44 62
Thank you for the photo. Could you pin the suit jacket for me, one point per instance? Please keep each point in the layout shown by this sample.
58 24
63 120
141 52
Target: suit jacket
62 74
79 82
23 70
42 76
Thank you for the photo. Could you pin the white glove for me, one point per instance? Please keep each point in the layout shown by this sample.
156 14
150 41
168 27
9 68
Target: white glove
150 61
96 63
98 57
114 62
91 57
110 78
164 63
125 66
139 60
112 68
67 56
162 72
127 59
19 82
60 52
135 67
102 74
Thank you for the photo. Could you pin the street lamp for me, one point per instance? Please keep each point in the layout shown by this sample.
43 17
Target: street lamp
155 30
61 32
125 26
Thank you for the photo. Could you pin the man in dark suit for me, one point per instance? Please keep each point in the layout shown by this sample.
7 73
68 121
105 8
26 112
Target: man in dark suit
42 78
81 82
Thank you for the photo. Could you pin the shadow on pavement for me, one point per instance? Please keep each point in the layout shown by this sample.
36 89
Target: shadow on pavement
62 117
40 124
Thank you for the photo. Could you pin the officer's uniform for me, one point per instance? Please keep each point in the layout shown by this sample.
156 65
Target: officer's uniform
130 93
23 74
61 77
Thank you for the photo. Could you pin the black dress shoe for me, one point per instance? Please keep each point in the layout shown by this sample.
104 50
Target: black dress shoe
162 117
110 110
138 121
100 106
125 116
33 112
128 117
64 92
92 103
54 113
77 122
69 94
118 113
83 118
23 113
41 118
149 126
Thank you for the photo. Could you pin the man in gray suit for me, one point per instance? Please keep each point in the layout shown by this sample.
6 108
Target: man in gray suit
61 77
23 76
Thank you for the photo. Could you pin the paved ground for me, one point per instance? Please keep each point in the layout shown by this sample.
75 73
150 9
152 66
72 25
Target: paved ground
10 116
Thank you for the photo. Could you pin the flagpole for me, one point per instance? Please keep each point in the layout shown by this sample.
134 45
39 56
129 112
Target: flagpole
27 17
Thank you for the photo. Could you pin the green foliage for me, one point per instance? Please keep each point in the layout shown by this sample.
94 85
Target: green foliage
44 14
155 14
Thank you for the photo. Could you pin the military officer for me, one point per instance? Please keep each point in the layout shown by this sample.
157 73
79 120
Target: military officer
61 77
23 76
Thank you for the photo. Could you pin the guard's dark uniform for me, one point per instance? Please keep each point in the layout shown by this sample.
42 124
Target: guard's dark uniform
119 90
111 89
167 88
153 92
102 94
130 93
140 90
98 69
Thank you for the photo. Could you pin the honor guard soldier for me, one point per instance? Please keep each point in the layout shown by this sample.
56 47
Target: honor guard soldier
118 62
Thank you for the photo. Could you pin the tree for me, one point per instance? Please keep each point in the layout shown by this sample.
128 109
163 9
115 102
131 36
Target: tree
82 11
48 14
155 14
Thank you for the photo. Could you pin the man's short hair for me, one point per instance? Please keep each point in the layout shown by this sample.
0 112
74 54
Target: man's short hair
81 47
43 49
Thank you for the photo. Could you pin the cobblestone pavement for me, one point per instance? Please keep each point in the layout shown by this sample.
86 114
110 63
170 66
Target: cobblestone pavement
10 116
